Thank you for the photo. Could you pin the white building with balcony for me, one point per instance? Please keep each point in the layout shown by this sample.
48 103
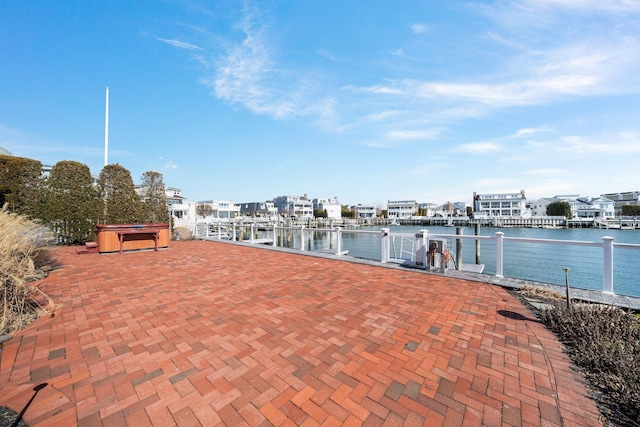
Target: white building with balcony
292 206
401 209
450 209
221 209
589 207
581 207
173 195
365 211
331 205
187 214
500 205
427 209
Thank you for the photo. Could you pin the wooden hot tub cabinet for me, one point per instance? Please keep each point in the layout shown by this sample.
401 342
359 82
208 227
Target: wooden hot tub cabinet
131 237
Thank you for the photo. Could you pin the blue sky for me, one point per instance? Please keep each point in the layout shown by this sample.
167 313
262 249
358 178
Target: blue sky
364 100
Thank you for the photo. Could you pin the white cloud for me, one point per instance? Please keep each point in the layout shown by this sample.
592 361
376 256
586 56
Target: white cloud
419 28
411 134
582 5
531 90
541 65
250 74
548 172
480 147
624 142
180 44
383 115
170 165
527 132
324 53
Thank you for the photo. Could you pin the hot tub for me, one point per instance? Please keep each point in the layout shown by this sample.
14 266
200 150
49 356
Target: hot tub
131 237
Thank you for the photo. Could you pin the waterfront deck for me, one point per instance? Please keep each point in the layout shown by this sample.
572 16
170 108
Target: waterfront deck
213 333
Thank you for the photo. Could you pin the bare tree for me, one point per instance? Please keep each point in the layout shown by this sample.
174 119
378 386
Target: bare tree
204 210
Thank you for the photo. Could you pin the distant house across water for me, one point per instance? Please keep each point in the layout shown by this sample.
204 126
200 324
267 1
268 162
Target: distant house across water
500 205
627 198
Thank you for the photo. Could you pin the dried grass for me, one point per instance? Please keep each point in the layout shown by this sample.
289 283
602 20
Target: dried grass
537 292
605 342
24 259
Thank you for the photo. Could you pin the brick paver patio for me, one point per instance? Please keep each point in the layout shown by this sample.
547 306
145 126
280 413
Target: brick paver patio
209 333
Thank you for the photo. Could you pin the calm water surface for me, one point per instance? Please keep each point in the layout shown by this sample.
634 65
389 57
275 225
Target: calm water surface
531 261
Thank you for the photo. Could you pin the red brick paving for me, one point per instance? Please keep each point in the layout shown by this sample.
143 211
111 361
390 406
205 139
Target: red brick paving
209 333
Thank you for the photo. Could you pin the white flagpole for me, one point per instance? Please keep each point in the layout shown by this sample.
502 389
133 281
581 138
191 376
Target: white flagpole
106 131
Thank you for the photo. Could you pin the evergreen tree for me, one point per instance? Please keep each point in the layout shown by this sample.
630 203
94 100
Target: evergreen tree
347 212
20 183
154 197
630 210
71 205
559 208
121 203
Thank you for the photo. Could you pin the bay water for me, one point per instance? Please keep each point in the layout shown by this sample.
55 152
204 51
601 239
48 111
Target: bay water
540 262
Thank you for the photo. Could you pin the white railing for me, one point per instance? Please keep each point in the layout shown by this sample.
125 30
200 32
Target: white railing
520 257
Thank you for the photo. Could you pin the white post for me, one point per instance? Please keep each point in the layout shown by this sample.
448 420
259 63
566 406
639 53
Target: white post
302 237
233 235
338 241
275 240
251 230
421 248
607 246
219 231
106 131
499 254
384 234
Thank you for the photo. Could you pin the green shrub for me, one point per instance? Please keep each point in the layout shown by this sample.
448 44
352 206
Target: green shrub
121 203
23 259
605 342
71 204
20 183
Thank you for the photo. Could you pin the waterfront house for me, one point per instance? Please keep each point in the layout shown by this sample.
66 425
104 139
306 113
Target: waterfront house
186 215
623 199
221 209
451 209
588 207
401 209
500 205
173 195
293 206
427 209
581 207
365 211
331 206
262 209
182 213
596 207
539 207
